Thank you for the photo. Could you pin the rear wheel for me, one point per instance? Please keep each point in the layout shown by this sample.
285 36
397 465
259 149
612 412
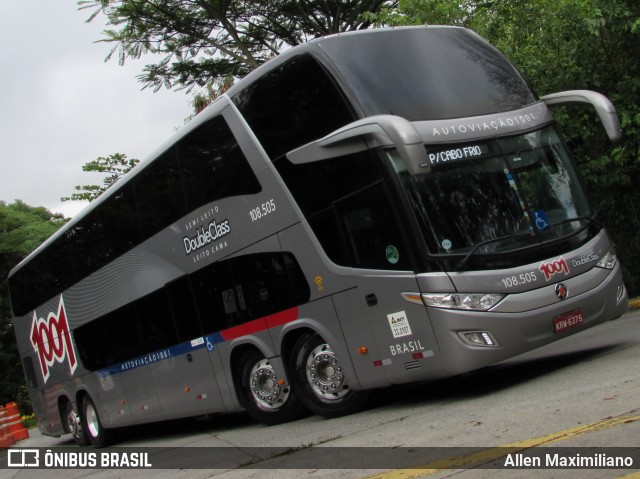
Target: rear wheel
98 436
265 396
320 380
74 425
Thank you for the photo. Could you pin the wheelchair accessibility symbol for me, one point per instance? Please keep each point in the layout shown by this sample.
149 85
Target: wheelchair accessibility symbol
540 219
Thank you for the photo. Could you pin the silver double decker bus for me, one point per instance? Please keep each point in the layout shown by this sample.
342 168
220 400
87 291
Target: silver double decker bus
365 210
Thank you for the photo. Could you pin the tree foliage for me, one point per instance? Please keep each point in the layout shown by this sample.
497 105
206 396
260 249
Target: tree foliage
565 45
22 229
204 98
562 45
115 166
200 41
557 44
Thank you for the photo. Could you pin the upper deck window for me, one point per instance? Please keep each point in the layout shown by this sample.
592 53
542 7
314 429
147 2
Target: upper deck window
205 166
294 104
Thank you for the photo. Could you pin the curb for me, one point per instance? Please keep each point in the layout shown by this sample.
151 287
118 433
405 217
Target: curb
634 304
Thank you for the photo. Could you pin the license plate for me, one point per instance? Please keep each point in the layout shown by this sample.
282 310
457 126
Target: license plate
567 321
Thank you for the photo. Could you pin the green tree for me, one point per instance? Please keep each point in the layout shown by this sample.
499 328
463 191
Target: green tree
213 90
115 166
565 45
200 41
426 12
22 229
560 45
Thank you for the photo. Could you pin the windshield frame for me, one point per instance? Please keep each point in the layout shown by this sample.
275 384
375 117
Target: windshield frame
544 243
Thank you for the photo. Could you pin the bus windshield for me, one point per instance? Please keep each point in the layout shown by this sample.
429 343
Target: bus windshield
496 195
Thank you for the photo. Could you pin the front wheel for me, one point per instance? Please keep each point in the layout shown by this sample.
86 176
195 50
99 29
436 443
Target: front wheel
92 426
266 397
320 380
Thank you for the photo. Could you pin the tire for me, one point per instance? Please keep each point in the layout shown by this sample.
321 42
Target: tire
320 381
263 398
74 425
97 435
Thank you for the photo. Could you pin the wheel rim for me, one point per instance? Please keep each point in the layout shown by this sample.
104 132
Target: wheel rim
73 421
265 389
93 423
324 374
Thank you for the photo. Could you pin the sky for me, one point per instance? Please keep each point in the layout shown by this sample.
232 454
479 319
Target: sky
62 105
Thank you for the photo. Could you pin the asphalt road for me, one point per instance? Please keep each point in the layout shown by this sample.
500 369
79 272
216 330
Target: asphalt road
579 393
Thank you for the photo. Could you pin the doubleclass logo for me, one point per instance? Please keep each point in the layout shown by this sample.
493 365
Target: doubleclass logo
206 236
51 339
588 258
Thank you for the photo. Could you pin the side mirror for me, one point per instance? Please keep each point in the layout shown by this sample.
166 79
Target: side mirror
604 108
365 134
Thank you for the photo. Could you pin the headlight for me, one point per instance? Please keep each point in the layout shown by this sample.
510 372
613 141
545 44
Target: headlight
465 301
608 261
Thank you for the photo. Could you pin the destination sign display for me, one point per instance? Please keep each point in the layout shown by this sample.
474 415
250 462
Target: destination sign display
444 156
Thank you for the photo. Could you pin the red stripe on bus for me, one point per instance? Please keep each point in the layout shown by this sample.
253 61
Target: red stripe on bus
257 325
283 317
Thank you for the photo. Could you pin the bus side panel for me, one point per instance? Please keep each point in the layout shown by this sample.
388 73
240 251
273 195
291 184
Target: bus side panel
187 385
141 395
107 391
224 381
350 307
389 360
36 394
49 419
33 373
409 350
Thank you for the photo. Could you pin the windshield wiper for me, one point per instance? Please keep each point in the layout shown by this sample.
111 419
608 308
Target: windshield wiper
589 220
486 242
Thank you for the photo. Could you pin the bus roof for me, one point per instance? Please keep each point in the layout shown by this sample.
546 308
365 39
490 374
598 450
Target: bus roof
495 86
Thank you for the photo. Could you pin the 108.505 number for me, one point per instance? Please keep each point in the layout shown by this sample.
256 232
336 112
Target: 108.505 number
523 278
263 210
